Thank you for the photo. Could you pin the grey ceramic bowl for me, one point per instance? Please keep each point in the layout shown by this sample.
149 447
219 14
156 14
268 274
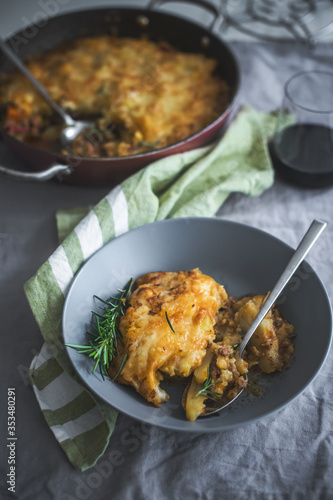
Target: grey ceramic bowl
243 259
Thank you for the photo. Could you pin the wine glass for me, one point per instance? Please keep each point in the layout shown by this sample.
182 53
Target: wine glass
302 146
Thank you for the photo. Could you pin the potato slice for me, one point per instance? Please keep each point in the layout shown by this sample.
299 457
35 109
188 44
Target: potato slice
194 405
200 373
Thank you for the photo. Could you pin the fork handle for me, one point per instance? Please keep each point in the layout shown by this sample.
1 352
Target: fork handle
302 250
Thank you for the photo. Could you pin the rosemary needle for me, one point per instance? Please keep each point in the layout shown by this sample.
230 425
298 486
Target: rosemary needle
104 339
148 144
206 391
121 367
168 320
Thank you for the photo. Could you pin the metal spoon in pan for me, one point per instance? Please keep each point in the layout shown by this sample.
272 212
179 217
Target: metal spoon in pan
299 255
73 127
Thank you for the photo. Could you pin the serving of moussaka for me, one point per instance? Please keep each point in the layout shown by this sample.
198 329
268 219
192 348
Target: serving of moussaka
184 324
141 95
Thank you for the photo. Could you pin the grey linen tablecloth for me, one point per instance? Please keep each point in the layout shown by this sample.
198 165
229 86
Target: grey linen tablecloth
288 455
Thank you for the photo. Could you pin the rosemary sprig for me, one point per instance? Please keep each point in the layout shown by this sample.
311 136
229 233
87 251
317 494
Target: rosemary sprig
103 340
206 391
168 320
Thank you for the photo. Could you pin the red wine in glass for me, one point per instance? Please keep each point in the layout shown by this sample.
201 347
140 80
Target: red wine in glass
303 153
302 147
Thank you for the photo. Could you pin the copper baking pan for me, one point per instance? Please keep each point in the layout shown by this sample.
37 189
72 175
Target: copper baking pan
157 25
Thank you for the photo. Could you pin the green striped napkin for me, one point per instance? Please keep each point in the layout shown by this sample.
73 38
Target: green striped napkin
194 183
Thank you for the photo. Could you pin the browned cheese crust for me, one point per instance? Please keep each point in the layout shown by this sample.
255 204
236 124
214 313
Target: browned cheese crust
146 95
191 301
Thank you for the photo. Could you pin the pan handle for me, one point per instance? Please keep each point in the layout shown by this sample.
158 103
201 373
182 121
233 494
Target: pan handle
218 16
42 176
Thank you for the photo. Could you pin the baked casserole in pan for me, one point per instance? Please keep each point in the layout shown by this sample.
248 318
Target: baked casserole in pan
141 95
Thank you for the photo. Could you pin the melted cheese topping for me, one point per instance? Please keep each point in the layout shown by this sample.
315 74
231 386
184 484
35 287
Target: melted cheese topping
190 300
147 95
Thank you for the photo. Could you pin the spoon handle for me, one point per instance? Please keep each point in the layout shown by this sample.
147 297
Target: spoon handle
299 255
18 63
